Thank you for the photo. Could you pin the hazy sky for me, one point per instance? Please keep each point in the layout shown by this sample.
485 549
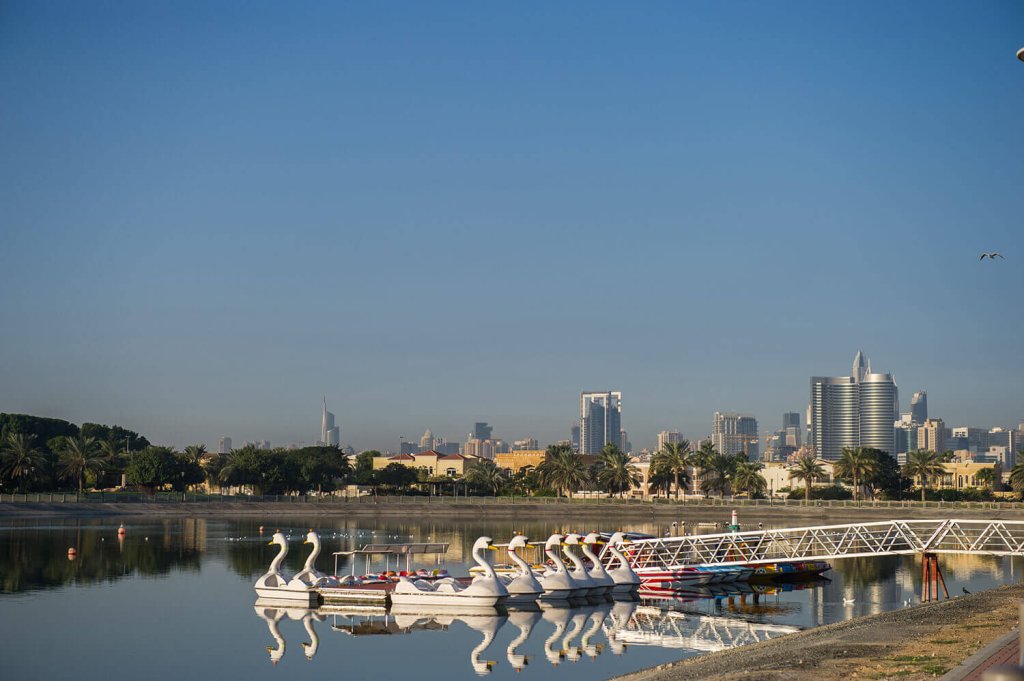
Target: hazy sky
212 214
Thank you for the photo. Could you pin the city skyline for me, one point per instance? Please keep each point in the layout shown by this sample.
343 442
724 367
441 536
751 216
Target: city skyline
204 234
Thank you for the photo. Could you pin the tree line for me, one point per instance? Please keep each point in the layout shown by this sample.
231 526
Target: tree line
43 454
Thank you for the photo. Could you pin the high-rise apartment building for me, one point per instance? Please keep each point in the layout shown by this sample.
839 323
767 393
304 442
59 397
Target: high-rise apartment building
932 435
225 445
792 433
574 436
853 411
624 444
600 420
525 445
733 433
427 440
482 431
667 437
330 434
919 407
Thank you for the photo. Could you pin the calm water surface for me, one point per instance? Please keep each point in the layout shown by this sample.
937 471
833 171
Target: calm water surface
174 600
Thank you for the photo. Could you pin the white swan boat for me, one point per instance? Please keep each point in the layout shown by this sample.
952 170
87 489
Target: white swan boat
309 574
596 571
557 583
277 586
626 580
586 583
523 587
485 590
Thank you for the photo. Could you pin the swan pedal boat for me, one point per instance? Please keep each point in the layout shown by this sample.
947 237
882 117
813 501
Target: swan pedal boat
278 586
486 590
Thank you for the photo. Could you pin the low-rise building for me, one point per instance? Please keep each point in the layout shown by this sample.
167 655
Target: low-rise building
431 461
778 476
515 461
963 475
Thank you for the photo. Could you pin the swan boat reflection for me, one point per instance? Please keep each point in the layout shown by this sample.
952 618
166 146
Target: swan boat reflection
564 632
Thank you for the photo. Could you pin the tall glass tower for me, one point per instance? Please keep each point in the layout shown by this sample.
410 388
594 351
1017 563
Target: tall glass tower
919 407
853 411
330 434
600 420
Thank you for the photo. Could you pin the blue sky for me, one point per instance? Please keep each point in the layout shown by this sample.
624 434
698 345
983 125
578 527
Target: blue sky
437 213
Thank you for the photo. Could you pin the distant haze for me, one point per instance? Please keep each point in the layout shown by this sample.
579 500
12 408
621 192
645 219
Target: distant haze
215 214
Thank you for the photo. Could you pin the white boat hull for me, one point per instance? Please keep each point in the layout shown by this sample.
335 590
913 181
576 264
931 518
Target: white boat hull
450 599
306 598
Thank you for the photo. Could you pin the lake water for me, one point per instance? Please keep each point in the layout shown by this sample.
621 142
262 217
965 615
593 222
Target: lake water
174 600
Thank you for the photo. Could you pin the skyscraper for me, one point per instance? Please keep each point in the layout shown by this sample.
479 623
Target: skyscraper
600 420
225 445
427 441
791 431
574 436
919 407
853 411
482 431
734 434
330 434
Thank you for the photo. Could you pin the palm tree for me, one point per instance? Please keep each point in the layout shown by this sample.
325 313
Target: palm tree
194 454
747 478
674 458
562 470
807 468
856 464
615 473
986 477
78 456
21 460
923 465
659 481
719 473
486 474
700 460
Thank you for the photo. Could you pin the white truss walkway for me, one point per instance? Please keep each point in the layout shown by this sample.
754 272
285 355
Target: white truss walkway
890 537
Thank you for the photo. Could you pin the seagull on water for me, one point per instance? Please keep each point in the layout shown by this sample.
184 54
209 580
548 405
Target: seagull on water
991 256
848 601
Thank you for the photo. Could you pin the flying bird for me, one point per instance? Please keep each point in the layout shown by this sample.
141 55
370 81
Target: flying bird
991 256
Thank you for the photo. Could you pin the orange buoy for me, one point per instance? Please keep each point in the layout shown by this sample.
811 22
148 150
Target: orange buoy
261 529
72 553
121 531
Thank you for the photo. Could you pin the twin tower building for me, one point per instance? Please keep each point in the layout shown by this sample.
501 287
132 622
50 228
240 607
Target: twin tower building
853 411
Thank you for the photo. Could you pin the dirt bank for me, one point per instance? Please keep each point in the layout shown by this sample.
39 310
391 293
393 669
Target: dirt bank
919 642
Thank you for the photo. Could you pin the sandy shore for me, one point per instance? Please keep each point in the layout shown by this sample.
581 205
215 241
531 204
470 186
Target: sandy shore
920 642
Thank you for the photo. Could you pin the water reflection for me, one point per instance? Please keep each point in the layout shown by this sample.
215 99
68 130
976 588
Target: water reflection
37 557
206 570
573 630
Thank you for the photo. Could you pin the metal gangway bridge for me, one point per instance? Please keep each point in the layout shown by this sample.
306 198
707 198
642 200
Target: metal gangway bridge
826 542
